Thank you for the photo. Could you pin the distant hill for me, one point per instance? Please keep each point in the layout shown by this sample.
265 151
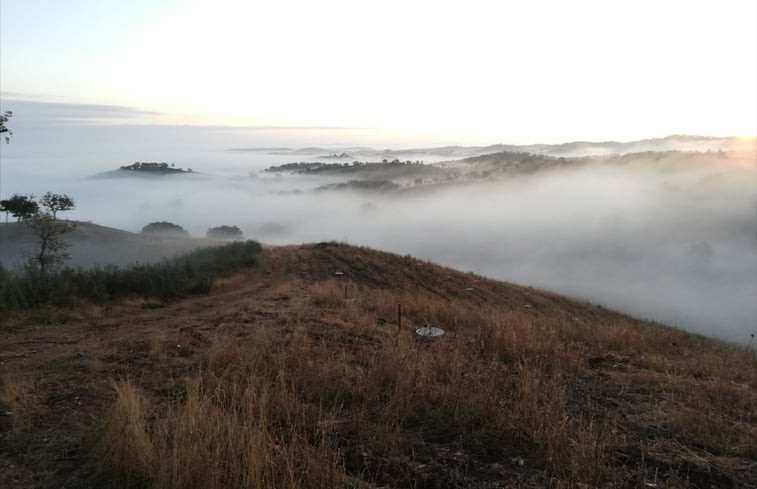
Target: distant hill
92 244
409 176
589 148
141 169
669 143
574 148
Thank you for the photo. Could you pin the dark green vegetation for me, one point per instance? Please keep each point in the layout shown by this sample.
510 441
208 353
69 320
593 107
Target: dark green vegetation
395 170
50 250
191 273
164 228
5 130
156 168
225 232
407 176
55 203
355 166
23 207
147 170
363 186
19 206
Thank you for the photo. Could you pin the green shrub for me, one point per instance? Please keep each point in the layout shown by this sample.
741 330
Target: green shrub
163 228
192 273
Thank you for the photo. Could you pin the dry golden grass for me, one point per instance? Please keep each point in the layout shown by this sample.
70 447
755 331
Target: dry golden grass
18 397
231 282
312 383
130 450
239 425
342 394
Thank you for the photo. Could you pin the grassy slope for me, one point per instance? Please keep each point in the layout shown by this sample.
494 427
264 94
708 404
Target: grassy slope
92 244
287 376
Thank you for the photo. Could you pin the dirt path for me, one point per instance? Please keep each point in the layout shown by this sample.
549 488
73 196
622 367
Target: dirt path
33 342
60 371
250 297
63 368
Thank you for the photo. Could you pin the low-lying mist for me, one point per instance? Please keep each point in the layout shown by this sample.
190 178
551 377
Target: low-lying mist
671 241
678 245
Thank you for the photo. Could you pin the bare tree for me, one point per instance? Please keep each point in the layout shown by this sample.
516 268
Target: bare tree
51 249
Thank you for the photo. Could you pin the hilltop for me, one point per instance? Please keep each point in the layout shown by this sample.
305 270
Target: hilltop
676 142
144 169
289 374
410 177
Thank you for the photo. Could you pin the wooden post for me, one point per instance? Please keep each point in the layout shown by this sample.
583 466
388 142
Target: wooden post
399 316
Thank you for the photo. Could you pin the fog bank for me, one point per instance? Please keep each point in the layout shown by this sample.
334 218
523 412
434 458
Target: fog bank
667 238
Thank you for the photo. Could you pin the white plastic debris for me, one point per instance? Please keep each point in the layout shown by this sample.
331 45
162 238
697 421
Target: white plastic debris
338 274
429 331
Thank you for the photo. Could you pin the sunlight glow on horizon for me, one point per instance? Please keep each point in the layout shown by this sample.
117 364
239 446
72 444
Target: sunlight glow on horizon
545 71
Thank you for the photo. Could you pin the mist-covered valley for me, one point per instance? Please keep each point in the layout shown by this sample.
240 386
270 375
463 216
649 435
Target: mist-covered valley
664 229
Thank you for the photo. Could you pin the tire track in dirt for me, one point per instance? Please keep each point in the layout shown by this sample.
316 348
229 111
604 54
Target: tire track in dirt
31 342
60 356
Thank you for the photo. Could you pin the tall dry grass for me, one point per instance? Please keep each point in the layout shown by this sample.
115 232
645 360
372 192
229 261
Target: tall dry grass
239 425
19 397
340 396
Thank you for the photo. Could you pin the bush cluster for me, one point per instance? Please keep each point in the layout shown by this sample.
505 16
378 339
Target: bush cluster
225 232
191 273
163 228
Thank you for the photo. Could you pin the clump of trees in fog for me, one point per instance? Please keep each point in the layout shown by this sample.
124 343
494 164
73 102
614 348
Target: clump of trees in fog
44 281
24 207
225 232
19 206
164 228
41 217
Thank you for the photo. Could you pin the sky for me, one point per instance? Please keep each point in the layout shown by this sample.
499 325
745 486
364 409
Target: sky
474 71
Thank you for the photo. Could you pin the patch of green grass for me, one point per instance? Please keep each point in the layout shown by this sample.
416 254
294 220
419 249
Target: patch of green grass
191 273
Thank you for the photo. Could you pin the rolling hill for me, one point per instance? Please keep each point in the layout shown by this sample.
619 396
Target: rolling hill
290 374
92 244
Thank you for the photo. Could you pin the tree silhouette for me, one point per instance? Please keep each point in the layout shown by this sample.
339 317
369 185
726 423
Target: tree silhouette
51 250
4 130
55 203
19 206
165 229
225 232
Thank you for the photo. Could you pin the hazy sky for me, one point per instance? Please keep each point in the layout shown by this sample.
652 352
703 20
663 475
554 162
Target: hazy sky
478 71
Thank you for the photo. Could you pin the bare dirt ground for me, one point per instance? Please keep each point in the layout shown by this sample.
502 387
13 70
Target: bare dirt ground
58 367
